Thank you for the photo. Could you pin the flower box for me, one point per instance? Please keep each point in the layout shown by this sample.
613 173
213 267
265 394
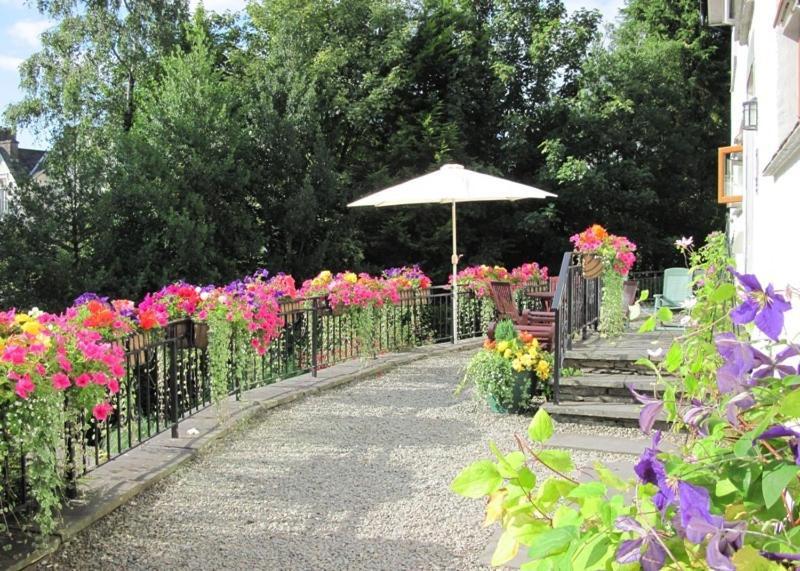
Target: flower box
188 333
592 267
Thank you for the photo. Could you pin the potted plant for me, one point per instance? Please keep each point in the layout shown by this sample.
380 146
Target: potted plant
511 373
609 256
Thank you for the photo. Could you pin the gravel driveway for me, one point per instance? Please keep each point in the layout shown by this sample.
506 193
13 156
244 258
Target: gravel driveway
354 478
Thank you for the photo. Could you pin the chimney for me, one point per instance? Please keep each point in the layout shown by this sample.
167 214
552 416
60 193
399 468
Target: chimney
8 142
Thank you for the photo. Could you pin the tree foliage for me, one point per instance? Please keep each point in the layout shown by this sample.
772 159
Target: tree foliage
237 140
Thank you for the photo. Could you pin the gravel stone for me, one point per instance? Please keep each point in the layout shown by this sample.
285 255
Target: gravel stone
352 478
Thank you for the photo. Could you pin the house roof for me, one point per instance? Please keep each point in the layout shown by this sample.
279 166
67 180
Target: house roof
25 164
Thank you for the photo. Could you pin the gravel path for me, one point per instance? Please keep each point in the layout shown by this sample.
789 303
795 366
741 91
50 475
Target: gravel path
354 478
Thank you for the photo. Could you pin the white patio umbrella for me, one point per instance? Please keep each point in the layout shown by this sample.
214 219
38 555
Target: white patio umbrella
449 185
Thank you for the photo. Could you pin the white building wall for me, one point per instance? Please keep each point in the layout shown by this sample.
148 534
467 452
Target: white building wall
765 229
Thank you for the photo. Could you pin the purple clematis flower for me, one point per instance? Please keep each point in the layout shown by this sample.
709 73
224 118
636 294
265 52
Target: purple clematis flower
696 523
763 306
650 411
742 401
775 367
88 296
696 415
646 548
740 360
651 470
784 431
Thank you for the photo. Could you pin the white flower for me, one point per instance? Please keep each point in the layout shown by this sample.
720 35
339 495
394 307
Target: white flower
197 289
684 243
204 296
35 312
686 320
689 303
223 298
654 353
192 432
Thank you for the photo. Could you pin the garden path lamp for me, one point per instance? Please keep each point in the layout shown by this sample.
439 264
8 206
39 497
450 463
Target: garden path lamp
449 185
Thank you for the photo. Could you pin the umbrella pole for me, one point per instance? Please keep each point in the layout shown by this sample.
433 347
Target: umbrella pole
454 261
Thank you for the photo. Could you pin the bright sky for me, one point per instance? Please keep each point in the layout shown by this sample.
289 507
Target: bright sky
21 25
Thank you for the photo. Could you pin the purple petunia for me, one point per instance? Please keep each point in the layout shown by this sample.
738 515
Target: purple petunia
88 296
765 307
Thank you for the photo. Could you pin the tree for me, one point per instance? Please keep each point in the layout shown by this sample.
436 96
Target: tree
636 149
183 186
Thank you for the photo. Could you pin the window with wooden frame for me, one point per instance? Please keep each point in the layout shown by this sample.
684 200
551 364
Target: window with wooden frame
730 174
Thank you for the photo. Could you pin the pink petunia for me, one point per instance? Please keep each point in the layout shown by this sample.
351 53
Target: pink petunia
24 387
83 380
113 386
102 411
60 381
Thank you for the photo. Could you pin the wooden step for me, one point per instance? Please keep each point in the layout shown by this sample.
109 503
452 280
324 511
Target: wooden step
614 414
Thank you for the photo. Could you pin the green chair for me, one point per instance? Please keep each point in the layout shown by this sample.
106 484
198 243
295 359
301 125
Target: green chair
677 289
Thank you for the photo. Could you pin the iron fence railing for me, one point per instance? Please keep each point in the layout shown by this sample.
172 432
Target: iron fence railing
576 304
168 375
651 280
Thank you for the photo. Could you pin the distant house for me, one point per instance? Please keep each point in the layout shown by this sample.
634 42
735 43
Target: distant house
759 170
16 165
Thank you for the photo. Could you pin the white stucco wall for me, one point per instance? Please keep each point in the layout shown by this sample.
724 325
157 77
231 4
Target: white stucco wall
764 233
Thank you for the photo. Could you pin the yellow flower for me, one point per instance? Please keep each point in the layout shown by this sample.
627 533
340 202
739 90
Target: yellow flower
502 347
350 277
517 365
543 370
2 343
508 353
22 318
527 360
32 327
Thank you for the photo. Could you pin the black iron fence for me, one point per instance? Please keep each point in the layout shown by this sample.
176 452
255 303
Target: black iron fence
651 280
171 375
576 304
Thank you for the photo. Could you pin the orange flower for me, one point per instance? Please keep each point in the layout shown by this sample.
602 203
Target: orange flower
525 337
599 232
489 345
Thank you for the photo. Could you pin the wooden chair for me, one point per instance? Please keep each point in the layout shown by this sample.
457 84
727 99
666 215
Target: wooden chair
540 324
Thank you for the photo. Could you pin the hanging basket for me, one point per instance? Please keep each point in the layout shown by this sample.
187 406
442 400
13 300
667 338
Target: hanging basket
592 267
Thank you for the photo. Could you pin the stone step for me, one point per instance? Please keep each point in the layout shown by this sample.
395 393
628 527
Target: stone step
598 387
613 414
620 354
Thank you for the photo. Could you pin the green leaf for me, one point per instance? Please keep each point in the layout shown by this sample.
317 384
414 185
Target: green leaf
742 447
645 362
645 293
527 533
725 487
608 477
790 404
724 292
750 559
588 490
674 357
552 541
565 516
648 325
507 548
477 480
541 427
557 460
775 481
526 479
553 489
664 314
593 553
